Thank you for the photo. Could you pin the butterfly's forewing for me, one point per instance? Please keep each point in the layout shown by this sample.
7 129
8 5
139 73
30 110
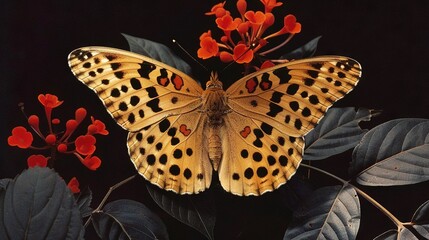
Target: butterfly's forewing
283 102
158 105
136 90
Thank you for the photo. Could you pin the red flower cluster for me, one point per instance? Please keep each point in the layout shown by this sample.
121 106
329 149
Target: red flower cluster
249 29
83 147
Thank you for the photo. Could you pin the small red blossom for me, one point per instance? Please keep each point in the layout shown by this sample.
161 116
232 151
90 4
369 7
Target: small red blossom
37 160
97 127
226 57
255 18
270 4
62 148
241 6
226 23
85 144
243 27
80 114
206 34
51 139
34 121
218 10
290 25
49 101
56 121
73 185
91 162
209 48
242 54
71 125
267 64
20 138
269 20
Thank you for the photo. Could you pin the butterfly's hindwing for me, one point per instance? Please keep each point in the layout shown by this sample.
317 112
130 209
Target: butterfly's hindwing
173 154
257 158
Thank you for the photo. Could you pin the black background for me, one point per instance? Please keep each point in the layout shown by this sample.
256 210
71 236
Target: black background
389 39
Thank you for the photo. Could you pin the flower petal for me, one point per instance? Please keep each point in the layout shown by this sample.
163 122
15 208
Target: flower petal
37 160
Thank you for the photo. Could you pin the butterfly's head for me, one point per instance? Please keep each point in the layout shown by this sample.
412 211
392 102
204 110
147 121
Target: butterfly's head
214 82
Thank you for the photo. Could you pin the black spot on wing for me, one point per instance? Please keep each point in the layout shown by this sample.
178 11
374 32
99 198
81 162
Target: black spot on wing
145 69
154 105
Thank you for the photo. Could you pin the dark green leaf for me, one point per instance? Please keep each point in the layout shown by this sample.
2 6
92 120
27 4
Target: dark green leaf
420 220
337 132
127 219
305 51
39 205
197 211
388 235
83 201
4 182
392 234
295 192
330 213
393 153
157 51
3 234
422 214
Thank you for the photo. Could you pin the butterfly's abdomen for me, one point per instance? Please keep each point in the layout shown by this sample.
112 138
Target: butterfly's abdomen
215 147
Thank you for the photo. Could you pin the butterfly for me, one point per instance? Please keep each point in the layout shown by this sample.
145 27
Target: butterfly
250 134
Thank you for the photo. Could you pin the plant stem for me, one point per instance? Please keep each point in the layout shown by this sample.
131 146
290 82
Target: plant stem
111 189
376 204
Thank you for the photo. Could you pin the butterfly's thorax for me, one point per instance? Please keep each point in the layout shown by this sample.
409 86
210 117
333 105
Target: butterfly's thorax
214 102
214 105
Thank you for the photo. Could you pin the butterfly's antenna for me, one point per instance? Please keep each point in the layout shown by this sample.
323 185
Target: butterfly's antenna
189 55
229 65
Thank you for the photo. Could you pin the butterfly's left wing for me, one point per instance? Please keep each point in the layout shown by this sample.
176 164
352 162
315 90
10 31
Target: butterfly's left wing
159 106
271 111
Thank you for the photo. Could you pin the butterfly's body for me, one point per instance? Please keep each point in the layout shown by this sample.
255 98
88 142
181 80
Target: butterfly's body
251 133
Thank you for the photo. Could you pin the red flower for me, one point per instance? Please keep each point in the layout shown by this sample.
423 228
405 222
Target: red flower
226 57
206 34
37 160
20 138
218 10
71 125
51 139
242 54
62 148
33 121
257 18
97 127
270 4
227 24
80 114
85 144
267 64
91 162
73 185
241 6
243 27
209 48
49 101
290 25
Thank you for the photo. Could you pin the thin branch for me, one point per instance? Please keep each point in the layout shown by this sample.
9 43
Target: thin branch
111 189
